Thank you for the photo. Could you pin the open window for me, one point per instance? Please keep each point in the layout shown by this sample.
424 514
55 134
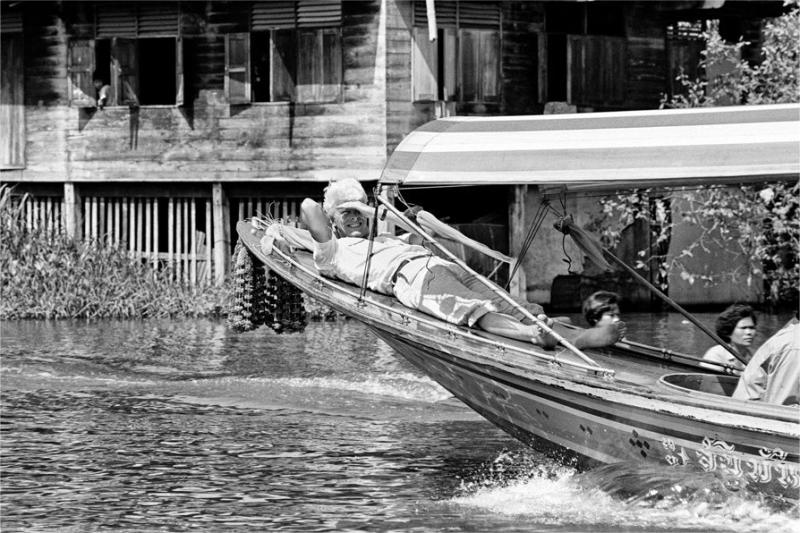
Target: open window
138 54
463 62
292 53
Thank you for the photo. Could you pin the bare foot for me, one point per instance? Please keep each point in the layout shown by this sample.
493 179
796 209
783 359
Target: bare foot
542 336
600 336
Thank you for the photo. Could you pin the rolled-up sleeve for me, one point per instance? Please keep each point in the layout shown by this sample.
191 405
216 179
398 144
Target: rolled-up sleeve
324 254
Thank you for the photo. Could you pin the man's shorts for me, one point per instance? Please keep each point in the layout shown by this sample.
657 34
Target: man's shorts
440 288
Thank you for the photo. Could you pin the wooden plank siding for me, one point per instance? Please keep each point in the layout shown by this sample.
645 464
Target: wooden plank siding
211 140
169 181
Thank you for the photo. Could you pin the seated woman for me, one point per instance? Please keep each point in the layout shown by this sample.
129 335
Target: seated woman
736 325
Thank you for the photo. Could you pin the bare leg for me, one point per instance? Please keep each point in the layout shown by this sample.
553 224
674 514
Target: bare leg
507 326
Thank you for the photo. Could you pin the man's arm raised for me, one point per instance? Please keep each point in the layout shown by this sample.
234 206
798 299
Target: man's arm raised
315 220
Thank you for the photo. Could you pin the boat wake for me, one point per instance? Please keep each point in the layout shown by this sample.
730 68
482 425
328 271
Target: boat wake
404 386
612 497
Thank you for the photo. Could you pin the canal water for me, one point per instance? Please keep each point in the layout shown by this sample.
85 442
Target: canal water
186 426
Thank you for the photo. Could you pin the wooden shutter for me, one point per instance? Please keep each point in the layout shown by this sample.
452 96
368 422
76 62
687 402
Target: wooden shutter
425 65
331 65
449 63
470 72
116 19
596 69
179 78
319 13
575 68
284 65
10 21
309 66
158 19
272 15
446 13
237 68
489 61
124 72
80 65
12 104
479 15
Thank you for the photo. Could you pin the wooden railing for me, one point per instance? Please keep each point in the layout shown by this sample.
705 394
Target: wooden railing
189 236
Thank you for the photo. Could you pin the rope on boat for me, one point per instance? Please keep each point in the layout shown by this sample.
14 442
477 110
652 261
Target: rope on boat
261 297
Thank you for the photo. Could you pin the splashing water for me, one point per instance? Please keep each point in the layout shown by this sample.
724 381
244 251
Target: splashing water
547 493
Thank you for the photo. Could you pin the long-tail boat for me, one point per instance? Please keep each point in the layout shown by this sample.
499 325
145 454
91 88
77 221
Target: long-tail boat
627 403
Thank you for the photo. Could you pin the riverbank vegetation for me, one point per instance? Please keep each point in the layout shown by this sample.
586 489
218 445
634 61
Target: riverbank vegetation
45 275
759 221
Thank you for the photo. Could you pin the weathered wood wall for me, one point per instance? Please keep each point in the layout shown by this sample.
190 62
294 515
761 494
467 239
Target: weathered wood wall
647 60
209 140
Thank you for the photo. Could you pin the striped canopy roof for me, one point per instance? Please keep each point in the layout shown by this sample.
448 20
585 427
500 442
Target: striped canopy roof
604 150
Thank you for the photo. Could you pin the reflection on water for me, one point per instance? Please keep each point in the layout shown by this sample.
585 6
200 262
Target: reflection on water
182 425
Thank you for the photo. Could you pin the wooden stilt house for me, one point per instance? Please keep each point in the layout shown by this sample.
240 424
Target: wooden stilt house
216 110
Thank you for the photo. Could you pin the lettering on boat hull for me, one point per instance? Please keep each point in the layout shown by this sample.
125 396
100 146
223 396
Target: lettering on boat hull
718 455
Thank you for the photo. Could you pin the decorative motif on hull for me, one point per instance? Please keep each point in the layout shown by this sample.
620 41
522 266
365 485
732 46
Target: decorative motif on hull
716 454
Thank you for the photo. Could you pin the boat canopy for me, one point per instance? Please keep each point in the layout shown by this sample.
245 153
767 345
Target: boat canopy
604 150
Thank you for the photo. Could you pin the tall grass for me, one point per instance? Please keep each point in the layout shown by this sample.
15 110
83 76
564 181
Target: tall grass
48 275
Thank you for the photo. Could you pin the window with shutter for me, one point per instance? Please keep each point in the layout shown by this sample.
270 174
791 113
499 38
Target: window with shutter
463 63
80 64
237 68
284 65
586 54
140 52
426 66
294 53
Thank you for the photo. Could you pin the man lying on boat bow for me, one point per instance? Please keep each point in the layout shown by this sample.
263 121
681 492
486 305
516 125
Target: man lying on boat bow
410 272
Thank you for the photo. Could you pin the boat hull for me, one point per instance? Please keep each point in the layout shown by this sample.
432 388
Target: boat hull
618 412
584 430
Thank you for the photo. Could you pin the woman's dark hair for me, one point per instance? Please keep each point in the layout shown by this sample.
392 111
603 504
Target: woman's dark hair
727 320
598 303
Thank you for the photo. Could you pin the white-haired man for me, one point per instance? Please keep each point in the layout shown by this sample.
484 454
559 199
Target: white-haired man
415 276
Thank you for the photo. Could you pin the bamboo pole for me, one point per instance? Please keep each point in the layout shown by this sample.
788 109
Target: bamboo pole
139 230
186 272
101 225
117 221
87 213
156 234
209 241
95 211
48 210
148 228
35 214
171 235
124 224
178 239
193 233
